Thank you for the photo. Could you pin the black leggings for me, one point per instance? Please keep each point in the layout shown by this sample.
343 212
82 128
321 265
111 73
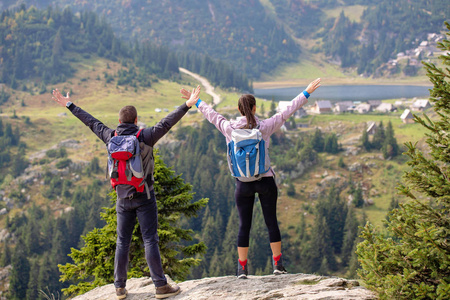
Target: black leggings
245 197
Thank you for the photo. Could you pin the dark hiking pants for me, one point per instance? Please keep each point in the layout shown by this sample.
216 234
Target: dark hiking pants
147 213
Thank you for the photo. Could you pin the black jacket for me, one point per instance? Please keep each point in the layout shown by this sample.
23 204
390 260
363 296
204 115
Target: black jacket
149 136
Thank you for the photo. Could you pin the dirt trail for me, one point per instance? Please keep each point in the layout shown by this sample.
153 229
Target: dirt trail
209 89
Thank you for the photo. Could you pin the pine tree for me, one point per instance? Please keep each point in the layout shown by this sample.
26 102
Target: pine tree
390 146
20 273
262 110
94 263
350 234
358 199
318 141
412 259
6 255
378 137
33 291
365 140
291 189
273 108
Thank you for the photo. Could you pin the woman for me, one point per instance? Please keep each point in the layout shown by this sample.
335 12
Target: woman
265 186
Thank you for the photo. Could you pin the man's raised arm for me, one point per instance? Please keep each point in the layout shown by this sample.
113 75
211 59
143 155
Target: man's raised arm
101 130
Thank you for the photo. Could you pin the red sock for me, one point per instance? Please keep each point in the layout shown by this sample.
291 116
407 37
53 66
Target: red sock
276 259
242 263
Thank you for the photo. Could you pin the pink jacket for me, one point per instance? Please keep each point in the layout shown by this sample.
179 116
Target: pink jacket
267 126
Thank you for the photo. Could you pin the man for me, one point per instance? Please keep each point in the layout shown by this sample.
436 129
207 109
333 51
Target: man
130 203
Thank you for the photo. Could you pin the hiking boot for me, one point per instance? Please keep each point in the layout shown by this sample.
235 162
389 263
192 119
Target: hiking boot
278 267
167 291
242 270
121 293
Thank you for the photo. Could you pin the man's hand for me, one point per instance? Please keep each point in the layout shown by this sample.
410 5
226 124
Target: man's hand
60 99
313 86
191 96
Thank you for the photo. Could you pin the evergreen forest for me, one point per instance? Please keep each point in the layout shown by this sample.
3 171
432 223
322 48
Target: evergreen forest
267 40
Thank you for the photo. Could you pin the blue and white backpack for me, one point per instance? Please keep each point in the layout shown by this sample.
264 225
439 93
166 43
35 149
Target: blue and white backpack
246 154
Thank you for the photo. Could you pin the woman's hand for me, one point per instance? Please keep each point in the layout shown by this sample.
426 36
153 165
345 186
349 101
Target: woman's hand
191 96
313 86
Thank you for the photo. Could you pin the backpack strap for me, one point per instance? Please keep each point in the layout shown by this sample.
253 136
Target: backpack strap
147 189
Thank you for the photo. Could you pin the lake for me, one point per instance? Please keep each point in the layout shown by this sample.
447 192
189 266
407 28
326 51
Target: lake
348 92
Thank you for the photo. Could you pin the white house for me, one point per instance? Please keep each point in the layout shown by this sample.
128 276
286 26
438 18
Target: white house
420 105
407 116
343 106
363 108
385 107
374 103
322 106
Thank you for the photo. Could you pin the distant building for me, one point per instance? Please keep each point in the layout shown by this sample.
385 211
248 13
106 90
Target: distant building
374 103
372 128
420 105
343 106
300 113
363 108
322 106
385 107
407 116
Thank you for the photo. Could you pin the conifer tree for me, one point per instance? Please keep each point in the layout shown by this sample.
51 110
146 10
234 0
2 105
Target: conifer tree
94 263
350 234
412 259
20 273
365 140
32 291
317 141
6 256
273 108
390 146
229 244
378 137
358 199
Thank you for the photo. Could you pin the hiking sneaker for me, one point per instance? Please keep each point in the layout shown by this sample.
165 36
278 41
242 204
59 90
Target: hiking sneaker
121 293
167 291
242 271
278 267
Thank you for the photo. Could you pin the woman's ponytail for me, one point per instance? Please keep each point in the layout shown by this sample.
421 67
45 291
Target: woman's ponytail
245 105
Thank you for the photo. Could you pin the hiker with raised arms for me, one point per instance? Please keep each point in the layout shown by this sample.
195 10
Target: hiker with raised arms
248 159
131 166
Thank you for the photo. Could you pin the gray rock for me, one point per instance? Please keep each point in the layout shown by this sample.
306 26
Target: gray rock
289 286
356 167
4 235
69 143
330 181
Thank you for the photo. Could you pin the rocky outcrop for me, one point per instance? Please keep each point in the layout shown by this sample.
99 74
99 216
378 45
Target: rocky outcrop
288 286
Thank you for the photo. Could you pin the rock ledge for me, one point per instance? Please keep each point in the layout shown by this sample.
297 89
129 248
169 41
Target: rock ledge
289 286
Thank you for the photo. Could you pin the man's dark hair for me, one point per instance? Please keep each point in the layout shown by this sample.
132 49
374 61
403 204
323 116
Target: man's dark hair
128 114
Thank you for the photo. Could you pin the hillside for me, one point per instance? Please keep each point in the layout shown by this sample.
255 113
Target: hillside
42 126
343 38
